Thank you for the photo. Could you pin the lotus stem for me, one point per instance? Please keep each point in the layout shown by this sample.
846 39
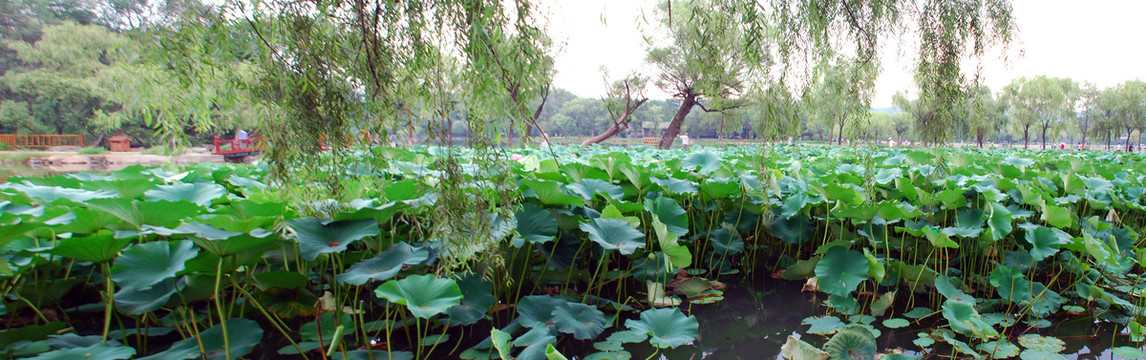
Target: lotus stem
219 309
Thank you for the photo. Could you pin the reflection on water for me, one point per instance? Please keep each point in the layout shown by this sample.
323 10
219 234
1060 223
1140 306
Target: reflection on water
756 318
7 171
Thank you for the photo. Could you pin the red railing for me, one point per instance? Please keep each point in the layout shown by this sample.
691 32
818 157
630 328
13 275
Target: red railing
236 146
41 140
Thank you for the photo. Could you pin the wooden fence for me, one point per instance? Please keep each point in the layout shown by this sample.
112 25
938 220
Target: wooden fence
41 140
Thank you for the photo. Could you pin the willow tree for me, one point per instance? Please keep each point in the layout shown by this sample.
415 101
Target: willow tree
705 61
984 113
1040 101
1128 103
841 95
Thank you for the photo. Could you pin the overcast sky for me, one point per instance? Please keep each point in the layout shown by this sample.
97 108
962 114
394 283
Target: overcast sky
1099 41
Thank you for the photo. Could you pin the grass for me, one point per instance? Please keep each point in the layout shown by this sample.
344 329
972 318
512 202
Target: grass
162 150
92 150
17 157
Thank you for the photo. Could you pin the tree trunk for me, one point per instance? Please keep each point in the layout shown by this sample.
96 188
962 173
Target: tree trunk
1044 137
1128 133
1026 134
612 130
840 138
674 126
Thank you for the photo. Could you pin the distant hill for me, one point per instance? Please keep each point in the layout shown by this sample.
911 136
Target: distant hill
890 110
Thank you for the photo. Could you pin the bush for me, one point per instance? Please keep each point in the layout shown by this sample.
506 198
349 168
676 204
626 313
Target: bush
92 150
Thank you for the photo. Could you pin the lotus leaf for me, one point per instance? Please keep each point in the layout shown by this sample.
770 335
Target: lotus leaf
796 349
1000 349
614 234
1127 352
667 328
144 265
852 343
826 325
95 351
477 297
1010 284
382 267
670 213
243 336
318 236
424 295
583 321
841 271
610 355
200 193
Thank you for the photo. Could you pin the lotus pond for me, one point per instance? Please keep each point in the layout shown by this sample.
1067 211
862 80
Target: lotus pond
596 253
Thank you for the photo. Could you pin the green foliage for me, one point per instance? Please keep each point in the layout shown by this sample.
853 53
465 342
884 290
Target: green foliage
92 150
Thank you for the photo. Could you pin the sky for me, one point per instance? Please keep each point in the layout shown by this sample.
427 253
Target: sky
1098 41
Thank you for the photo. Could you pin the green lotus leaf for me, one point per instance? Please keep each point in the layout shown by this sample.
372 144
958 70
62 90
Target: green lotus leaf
382 267
884 302
551 193
1127 352
678 254
1010 284
609 345
796 349
1000 349
96 248
628 337
423 295
998 221
875 268
589 188
536 224
703 162
945 286
896 323
201 193
721 188
1044 302
583 321
964 319
144 265
676 186
851 343
139 213
725 242
1057 216
243 336
537 310
137 301
918 312
501 341
96 351
614 234
655 267
49 194
535 341
670 213
825 325
841 271
1042 343
802 269
793 230
610 355
318 236
1044 242
667 328
477 297
1031 354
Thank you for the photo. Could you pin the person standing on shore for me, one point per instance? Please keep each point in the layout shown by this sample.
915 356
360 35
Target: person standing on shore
243 138
684 141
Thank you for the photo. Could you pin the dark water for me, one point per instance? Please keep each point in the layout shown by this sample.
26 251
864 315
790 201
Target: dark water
756 318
